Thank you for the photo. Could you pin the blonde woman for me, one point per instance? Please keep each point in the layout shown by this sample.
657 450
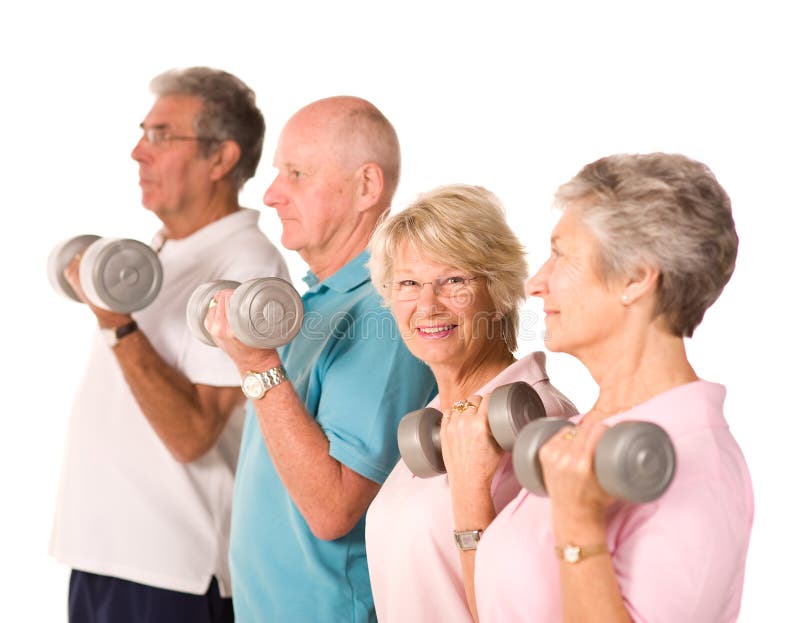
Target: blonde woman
452 272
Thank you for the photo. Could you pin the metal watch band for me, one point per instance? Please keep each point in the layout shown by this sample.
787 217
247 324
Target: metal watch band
575 553
467 540
256 384
273 376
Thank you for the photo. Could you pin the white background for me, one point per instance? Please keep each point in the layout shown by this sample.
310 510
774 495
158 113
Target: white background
512 96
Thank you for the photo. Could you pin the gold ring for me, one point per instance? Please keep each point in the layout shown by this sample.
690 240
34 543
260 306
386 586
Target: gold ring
463 405
570 434
212 304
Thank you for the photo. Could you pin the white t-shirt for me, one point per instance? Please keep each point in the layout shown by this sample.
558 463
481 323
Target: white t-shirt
126 508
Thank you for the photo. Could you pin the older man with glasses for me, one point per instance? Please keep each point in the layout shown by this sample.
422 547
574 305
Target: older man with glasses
145 498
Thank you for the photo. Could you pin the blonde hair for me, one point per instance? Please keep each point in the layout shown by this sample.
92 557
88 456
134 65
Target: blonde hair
465 227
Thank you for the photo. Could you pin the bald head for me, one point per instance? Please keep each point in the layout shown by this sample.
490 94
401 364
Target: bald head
356 133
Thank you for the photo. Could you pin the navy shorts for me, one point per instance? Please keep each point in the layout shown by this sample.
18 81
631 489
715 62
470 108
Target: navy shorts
103 599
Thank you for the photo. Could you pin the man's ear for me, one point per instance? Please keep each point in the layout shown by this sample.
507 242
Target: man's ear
223 159
369 185
643 282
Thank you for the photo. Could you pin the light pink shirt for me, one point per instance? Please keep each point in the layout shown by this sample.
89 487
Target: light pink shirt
414 565
679 558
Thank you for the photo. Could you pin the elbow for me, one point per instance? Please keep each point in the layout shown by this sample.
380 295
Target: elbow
332 525
189 450
184 457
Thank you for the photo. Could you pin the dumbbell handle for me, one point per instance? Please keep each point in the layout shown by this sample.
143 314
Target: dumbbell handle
633 461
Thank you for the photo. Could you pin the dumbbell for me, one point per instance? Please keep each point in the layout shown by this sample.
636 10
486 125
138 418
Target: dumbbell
633 461
117 274
511 407
263 313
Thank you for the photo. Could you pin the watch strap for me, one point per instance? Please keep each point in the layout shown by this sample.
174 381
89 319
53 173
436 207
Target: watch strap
575 553
115 334
269 379
273 376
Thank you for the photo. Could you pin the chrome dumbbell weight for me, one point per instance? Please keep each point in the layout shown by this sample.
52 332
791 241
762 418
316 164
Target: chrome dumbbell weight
263 313
117 274
511 407
633 461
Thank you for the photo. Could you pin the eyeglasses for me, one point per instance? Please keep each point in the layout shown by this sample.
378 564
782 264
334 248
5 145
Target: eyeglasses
447 287
157 136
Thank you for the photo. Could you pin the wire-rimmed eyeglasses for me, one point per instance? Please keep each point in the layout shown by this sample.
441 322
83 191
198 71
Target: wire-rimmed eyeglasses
157 136
445 287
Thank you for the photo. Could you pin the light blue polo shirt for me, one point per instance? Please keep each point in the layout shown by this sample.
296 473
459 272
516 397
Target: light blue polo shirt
357 379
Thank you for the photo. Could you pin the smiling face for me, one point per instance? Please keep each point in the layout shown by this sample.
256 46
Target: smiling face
581 311
441 331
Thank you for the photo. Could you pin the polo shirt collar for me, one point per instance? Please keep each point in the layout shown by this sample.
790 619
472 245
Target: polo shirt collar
682 409
243 218
347 278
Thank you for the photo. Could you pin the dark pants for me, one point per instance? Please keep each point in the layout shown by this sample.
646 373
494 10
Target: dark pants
102 599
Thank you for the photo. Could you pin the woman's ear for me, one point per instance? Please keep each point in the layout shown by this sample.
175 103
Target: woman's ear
643 282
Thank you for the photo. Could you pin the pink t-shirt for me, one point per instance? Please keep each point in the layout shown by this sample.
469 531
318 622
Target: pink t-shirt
678 558
414 565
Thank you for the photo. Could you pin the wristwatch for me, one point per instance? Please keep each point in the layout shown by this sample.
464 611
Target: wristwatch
112 335
575 553
256 384
467 540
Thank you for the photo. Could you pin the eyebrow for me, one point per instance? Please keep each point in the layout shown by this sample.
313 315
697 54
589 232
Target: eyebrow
156 126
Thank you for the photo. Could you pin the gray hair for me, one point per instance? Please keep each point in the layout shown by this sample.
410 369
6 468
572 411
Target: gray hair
229 112
662 210
464 227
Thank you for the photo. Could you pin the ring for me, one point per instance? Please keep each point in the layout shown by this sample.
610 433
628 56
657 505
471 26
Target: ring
570 434
462 405
212 304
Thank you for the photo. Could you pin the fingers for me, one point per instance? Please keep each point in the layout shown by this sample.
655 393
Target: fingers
567 461
216 320
464 410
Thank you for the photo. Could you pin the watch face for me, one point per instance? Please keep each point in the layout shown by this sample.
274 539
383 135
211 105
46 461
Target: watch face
110 336
253 386
572 553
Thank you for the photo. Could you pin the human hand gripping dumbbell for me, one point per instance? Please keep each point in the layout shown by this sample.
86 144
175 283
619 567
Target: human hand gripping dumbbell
262 313
511 407
116 274
633 461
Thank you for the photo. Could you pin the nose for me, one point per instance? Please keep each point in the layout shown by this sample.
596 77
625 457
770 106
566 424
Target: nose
139 153
273 196
428 298
537 285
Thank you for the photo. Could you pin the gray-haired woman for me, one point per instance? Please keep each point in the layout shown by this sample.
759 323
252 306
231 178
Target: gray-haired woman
645 245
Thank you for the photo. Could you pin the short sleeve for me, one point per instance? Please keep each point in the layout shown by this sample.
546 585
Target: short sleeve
682 558
371 382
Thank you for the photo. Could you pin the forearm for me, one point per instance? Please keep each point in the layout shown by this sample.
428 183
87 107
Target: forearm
182 418
472 510
330 496
589 588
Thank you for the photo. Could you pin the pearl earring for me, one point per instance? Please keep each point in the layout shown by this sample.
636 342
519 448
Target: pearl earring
625 299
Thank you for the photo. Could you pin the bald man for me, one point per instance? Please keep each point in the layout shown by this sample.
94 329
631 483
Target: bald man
321 428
